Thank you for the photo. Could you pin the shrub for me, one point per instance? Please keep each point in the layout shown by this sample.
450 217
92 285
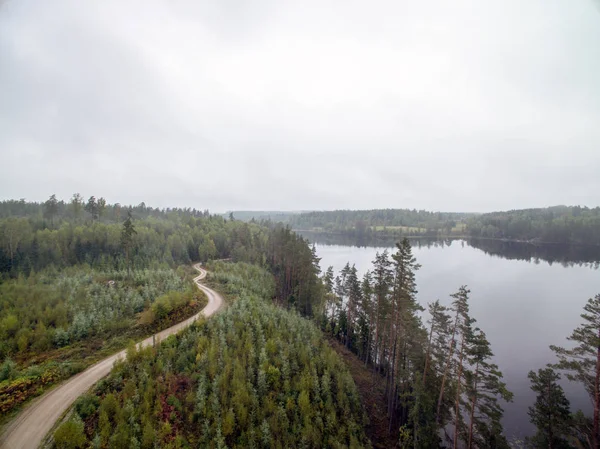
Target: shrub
87 405
70 435
8 370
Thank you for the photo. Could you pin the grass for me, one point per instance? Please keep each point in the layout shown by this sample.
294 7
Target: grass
397 228
459 229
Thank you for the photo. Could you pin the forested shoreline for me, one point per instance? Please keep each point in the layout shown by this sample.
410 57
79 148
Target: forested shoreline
558 224
574 225
364 224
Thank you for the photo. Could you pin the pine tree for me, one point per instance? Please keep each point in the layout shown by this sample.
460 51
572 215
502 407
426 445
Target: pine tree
76 205
328 282
460 308
404 326
438 333
382 282
367 323
101 207
483 388
582 363
51 208
353 292
464 330
92 208
127 234
12 232
551 411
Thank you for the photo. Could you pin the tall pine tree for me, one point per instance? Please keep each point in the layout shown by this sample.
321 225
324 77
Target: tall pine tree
551 412
127 235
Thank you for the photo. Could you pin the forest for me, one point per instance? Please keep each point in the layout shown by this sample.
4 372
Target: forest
83 279
58 234
383 222
254 376
54 324
78 280
559 224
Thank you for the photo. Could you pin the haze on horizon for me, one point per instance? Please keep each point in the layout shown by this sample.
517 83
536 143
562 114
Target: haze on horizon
278 105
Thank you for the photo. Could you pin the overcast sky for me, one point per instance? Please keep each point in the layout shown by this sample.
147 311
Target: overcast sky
463 105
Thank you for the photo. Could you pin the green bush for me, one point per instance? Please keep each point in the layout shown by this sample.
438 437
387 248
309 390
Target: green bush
87 405
8 370
70 435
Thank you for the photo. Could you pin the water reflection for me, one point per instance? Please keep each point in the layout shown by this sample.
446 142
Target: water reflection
565 255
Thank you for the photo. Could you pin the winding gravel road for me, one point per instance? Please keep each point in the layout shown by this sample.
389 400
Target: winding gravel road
30 427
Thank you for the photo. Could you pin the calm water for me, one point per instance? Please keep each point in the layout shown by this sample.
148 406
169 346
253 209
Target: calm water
523 306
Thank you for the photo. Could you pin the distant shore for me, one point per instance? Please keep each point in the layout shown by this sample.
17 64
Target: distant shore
379 235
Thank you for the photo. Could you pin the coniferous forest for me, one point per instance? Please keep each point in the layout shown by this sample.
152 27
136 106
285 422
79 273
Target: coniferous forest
83 279
79 280
559 224
255 375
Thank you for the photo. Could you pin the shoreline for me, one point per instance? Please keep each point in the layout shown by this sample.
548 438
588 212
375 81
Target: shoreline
379 236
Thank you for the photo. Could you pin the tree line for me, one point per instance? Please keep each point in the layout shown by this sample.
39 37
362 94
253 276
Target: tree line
368 223
142 237
559 224
32 242
77 208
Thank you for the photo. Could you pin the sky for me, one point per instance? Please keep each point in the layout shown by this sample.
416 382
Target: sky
466 105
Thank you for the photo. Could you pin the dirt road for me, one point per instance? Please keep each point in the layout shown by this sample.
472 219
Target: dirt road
30 427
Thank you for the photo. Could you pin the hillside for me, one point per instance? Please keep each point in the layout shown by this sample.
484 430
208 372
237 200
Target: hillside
255 376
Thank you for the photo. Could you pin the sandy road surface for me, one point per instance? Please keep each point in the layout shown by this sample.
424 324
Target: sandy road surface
30 427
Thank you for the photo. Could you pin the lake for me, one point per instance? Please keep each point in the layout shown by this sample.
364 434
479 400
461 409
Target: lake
524 298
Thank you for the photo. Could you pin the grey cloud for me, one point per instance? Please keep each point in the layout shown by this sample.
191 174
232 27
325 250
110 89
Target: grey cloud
313 105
